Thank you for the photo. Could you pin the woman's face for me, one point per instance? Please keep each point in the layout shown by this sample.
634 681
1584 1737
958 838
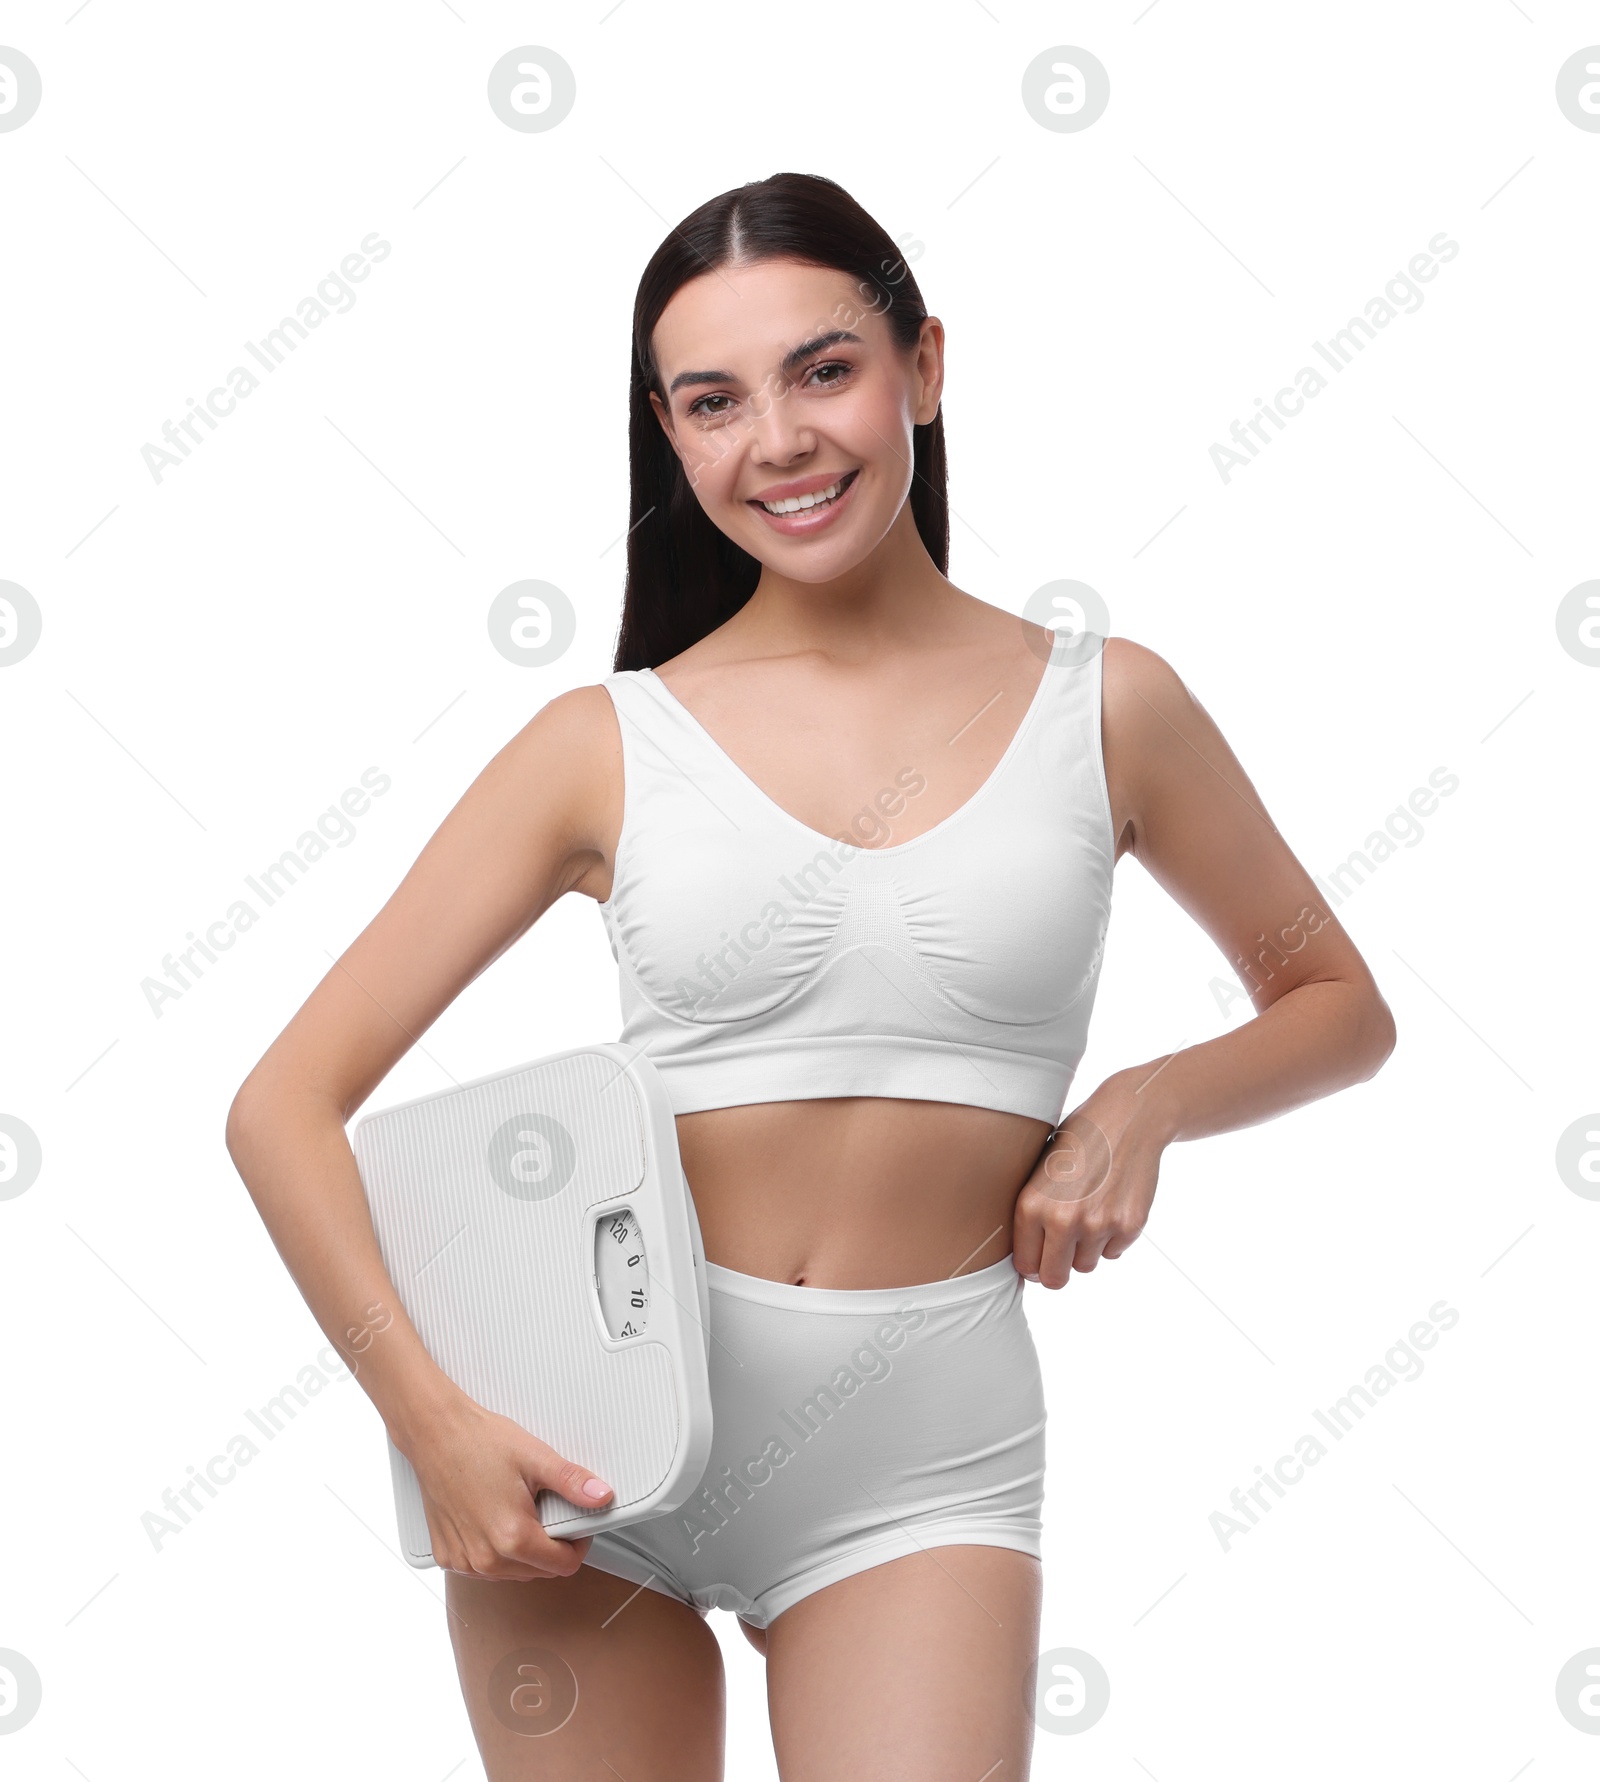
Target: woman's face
784 381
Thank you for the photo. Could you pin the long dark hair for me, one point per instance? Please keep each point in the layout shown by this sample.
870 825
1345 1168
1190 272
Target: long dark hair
685 576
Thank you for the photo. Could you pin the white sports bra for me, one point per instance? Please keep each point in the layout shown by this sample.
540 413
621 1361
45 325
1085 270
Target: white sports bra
762 960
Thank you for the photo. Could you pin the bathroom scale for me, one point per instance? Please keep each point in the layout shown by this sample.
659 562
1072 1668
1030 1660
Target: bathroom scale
540 1232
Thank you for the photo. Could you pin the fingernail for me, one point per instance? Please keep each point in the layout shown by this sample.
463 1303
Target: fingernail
1030 1277
595 1488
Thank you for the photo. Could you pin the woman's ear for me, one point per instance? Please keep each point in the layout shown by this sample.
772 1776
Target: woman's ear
666 422
930 367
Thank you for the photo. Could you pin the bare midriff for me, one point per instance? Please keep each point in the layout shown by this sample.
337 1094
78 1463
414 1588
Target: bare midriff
857 1191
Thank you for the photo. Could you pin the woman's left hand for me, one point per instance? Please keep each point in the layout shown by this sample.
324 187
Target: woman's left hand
1091 1190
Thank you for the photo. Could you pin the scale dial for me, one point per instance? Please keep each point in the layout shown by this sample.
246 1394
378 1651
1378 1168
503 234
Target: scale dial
622 1274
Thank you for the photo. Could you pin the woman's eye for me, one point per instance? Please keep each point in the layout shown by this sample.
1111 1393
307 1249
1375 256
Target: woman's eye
842 367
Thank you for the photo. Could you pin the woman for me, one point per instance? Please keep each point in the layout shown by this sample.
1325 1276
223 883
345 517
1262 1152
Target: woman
851 831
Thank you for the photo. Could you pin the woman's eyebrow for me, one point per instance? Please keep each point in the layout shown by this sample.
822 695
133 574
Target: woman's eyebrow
792 358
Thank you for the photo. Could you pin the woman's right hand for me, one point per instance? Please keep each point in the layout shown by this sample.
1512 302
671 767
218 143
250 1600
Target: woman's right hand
479 1474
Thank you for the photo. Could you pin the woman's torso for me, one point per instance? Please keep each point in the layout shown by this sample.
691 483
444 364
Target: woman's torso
754 765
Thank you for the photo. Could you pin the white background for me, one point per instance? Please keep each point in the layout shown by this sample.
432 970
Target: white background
1374 597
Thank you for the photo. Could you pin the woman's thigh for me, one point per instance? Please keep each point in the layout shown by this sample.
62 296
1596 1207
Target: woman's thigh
565 1676
920 1668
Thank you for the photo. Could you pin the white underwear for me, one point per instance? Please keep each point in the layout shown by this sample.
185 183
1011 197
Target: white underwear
850 1427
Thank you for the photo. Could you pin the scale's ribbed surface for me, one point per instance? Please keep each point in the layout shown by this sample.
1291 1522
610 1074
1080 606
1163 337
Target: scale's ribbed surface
489 1277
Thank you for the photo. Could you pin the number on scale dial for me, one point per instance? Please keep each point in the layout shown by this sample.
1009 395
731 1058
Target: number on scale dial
622 1275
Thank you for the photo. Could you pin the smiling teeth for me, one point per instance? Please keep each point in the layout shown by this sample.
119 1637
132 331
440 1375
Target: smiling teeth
794 503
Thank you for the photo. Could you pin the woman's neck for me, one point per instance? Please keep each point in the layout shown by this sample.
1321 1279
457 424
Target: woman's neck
893 597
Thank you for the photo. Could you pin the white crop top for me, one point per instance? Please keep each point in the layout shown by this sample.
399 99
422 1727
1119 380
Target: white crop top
762 960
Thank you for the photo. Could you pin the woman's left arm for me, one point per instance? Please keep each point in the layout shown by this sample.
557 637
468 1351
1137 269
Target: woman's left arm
1192 817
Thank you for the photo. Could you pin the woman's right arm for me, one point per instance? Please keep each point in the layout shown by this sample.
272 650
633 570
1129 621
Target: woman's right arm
539 821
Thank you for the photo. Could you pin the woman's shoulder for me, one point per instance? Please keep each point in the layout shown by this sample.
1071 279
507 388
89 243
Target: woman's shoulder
573 741
1135 680
566 763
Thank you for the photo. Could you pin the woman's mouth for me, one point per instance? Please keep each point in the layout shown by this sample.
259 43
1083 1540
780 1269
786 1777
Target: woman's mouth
808 513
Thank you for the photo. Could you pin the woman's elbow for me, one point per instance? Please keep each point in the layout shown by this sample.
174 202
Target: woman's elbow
251 1105
240 1111
1376 1035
